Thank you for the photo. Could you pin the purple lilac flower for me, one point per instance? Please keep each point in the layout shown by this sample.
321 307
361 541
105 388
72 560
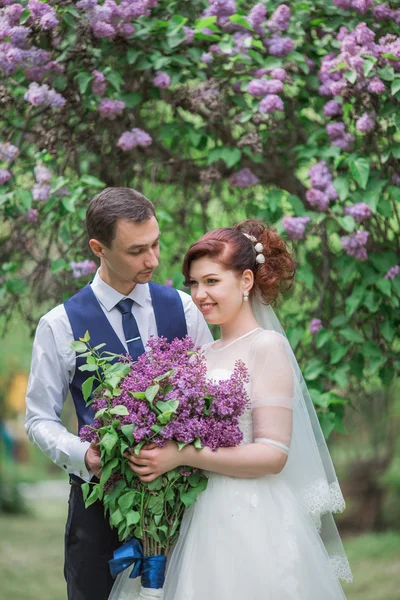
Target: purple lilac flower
82 268
317 199
362 6
315 325
41 192
279 74
5 176
295 226
99 83
393 272
279 20
132 139
42 174
271 103
189 34
279 46
382 12
257 17
396 179
32 215
354 244
359 211
169 283
343 4
109 109
243 179
262 87
365 123
162 80
332 108
207 58
38 95
8 151
338 135
376 86
320 176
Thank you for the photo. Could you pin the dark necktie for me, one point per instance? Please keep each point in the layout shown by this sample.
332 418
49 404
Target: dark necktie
131 330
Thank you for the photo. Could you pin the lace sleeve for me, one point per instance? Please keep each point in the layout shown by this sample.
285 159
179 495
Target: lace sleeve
272 390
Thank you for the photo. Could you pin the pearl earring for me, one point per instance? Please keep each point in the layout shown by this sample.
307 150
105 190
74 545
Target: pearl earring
245 296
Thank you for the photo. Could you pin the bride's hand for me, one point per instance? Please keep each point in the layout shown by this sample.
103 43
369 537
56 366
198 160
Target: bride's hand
151 463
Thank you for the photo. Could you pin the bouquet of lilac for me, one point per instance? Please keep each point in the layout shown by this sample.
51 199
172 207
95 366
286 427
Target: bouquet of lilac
165 395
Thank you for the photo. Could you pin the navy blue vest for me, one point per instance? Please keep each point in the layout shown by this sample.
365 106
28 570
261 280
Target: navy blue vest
85 314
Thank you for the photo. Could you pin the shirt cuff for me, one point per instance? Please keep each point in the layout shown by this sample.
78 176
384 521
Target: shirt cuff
76 459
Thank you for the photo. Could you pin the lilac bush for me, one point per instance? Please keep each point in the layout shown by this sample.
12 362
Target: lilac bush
218 110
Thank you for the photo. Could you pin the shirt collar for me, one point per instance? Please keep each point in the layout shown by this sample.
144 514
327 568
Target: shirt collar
109 297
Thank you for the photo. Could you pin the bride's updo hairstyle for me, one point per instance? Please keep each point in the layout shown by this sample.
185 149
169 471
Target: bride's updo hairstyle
234 251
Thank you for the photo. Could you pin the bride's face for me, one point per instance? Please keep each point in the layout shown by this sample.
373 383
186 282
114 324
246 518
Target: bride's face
217 292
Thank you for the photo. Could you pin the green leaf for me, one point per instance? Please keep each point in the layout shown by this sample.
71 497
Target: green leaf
85 487
395 86
322 338
25 15
327 422
359 168
58 265
92 181
181 445
109 440
347 223
87 387
206 23
138 395
91 499
79 347
125 501
386 73
351 76
152 392
352 335
338 351
116 517
132 518
313 369
368 65
342 186
15 286
131 100
388 329
83 79
115 79
120 409
107 470
156 504
132 55
90 368
69 203
242 21
384 286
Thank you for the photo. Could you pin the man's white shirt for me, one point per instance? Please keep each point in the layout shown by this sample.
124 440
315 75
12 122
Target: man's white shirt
53 368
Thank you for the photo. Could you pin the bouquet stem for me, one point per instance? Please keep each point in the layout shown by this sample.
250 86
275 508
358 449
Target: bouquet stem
151 594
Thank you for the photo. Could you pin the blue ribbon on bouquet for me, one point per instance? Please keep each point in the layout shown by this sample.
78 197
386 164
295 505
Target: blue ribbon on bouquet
150 568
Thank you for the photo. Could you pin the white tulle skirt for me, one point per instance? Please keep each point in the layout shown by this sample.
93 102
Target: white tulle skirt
245 539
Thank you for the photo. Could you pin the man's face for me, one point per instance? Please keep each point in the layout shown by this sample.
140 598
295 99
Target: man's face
134 251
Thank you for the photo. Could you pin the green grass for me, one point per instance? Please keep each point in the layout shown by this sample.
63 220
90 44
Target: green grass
31 558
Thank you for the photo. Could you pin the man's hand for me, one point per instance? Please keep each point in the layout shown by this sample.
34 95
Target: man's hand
154 461
93 460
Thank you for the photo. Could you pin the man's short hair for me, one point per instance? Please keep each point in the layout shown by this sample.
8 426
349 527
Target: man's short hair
113 204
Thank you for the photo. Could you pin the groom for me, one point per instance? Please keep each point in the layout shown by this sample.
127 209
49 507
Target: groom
122 308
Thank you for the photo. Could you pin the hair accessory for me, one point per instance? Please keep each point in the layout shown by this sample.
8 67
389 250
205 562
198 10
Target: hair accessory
258 247
245 296
250 237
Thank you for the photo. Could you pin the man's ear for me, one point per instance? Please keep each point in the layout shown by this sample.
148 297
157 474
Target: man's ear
97 247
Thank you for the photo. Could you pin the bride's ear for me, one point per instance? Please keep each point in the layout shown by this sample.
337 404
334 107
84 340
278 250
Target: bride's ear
247 280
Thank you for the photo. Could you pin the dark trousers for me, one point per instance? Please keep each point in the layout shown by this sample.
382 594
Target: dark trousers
89 545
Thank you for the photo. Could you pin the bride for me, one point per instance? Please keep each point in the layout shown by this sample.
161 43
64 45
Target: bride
263 529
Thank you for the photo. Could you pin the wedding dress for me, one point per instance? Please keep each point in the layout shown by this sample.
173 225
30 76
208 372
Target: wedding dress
271 537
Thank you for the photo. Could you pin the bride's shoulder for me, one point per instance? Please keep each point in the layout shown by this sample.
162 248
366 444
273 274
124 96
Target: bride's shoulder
268 339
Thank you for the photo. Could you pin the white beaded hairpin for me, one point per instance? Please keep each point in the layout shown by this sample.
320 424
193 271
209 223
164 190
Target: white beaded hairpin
258 247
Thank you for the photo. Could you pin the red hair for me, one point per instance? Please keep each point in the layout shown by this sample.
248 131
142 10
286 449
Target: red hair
235 252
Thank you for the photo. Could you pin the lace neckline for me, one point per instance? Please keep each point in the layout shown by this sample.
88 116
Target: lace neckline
235 340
